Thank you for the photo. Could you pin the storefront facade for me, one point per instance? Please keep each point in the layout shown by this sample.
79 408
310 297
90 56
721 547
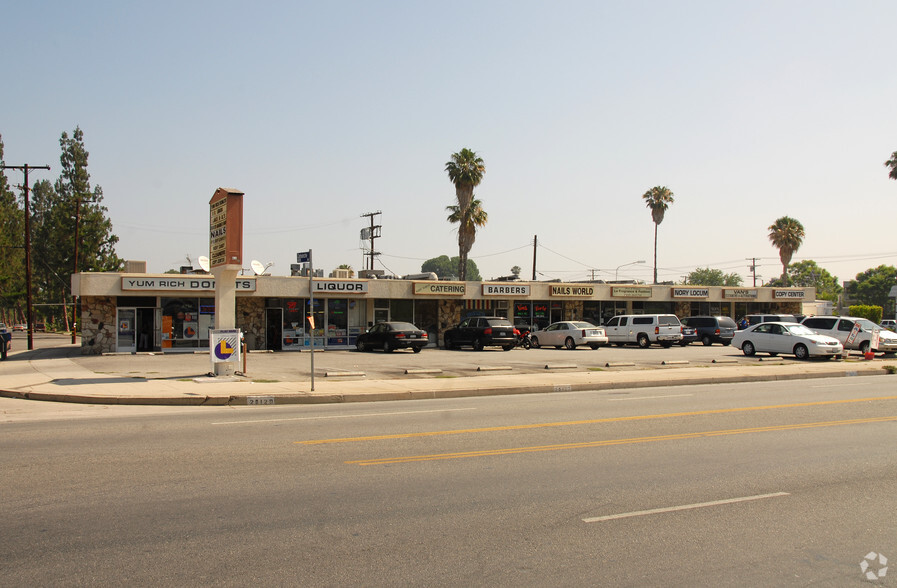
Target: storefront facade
173 312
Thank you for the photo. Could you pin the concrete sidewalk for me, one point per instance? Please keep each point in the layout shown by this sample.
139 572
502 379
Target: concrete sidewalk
54 375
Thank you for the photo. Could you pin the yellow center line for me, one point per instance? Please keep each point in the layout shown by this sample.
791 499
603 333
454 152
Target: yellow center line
589 422
611 442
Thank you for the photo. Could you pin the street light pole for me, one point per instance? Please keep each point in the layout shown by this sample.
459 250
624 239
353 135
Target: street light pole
617 272
28 298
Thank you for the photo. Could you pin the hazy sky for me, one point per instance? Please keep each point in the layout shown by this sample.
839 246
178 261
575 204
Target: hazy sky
323 111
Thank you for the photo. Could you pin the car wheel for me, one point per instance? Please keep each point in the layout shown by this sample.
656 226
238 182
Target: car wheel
666 344
748 348
449 344
507 347
773 354
706 341
477 344
569 343
864 347
535 342
594 346
360 346
727 343
643 341
387 347
801 351
417 349
684 343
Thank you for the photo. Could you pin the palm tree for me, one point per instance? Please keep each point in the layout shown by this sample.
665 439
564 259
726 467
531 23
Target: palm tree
468 220
465 170
892 163
658 199
787 234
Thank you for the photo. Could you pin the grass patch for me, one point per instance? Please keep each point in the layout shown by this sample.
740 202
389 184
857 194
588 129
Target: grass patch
445 376
891 369
185 379
263 381
596 369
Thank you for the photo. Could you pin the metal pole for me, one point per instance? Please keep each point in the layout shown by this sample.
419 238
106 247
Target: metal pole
535 244
75 298
311 304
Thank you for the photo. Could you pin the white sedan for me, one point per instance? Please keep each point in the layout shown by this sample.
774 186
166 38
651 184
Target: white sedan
791 338
569 334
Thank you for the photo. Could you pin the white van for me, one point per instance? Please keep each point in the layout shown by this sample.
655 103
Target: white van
644 329
840 328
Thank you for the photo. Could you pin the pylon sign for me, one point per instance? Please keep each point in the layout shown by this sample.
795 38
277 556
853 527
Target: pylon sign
224 345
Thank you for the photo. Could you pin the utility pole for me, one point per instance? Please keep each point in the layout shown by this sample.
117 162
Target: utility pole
371 233
753 268
535 245
28 299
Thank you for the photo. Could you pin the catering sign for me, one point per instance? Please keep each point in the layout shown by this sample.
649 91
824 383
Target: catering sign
439 288
571 290
691 292
506 290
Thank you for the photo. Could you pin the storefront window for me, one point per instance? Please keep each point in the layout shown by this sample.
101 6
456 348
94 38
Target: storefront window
180 323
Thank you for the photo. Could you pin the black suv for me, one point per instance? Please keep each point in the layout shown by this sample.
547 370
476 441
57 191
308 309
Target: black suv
481 331
712 329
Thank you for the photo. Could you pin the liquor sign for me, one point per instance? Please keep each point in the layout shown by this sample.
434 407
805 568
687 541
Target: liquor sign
226 228
691 292
340 287
224 345
439 288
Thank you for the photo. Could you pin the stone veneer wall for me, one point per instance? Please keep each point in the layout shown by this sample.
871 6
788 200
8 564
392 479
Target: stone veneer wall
449 316
251 320
97 325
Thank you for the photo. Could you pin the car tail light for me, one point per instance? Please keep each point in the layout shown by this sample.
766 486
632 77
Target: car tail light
487 331
583 332
657 330
716 332
400 335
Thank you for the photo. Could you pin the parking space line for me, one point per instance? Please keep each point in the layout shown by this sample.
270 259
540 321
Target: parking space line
640 513
650 397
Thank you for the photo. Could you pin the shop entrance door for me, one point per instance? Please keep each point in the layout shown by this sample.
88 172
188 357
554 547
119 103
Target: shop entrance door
126 330
145 328
274 329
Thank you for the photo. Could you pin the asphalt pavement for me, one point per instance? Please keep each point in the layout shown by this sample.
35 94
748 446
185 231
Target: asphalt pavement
56 371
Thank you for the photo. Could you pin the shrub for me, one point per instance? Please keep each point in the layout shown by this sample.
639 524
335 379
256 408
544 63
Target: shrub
873 313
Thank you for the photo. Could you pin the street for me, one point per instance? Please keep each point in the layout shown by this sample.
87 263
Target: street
787 483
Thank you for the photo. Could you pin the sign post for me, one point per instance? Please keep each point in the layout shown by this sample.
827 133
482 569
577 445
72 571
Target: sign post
305 257
226 259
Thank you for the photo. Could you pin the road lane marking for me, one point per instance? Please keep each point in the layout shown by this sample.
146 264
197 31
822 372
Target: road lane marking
613 442
641 513
341 416
650 397
587 422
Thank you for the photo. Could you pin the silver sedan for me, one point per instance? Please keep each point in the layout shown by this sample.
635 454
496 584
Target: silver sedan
569 334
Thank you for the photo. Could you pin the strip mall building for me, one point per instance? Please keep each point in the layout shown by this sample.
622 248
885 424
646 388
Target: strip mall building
129 312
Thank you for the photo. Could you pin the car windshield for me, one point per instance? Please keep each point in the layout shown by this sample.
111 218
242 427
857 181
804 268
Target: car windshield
798 329
667 320
499 323
403 327
867 325
583 325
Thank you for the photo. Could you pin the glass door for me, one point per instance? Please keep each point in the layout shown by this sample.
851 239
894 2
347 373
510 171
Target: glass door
126 339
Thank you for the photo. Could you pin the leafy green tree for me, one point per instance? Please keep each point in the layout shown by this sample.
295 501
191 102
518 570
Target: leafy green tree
873 286
658 199
807 274
61 211
892 163
786 234
515 271
466 169
705 276
446 268
12 252
346 266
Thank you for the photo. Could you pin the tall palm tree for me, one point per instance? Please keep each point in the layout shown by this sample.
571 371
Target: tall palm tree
787 234
465 170
892 163
468 220
658 199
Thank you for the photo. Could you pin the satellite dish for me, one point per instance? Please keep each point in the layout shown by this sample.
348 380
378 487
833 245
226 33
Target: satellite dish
258 267
204 263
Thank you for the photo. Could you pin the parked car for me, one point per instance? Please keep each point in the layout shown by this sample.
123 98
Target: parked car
889 324
390 336
790 338
712 329
569 334
480 332
644 329
756 319
20 327
840 328
689 334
